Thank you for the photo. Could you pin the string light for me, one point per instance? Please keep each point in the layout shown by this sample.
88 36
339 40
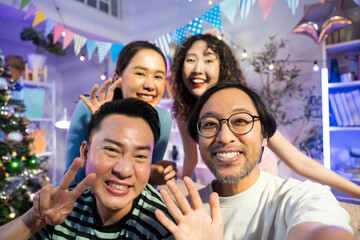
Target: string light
244 54
272 65
316 66
12 212
82 57
103 76
210 2
63 34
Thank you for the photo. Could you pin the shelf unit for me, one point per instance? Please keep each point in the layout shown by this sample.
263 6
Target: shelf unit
46 122
338 139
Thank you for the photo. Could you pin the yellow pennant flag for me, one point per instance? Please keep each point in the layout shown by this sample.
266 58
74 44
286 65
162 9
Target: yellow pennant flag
39 17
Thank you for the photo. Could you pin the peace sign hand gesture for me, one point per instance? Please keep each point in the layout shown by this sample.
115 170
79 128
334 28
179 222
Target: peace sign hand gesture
53 204
192 223
104 97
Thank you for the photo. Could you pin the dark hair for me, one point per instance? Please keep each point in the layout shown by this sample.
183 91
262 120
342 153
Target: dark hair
131 107
268 123
184 101
125 56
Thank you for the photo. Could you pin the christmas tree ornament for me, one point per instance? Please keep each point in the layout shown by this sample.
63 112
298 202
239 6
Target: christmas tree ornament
15 137
4 112
28 131
3 83
18 87
43 179
14 166
33 162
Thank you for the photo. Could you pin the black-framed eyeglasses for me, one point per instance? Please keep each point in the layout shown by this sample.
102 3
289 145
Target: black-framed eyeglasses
239 123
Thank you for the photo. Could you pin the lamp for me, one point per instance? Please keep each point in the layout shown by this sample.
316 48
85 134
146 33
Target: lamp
63 122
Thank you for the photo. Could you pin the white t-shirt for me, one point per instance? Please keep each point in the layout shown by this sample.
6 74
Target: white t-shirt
272 206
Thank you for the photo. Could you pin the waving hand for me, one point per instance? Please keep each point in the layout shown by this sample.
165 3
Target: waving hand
94 103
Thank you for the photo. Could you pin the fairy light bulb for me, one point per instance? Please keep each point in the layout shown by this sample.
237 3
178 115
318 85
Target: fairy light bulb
103 76
82 57
12 213
244 54
316 66
272 65
210 2
63 34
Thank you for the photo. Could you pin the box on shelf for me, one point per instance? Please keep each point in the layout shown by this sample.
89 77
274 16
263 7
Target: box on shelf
34 102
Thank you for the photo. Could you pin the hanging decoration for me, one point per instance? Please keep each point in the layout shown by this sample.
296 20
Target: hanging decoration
213 16
115 50
69 36
228 8
265 6
79 42
293 4
321 19
90 47
39 17
49 26
245 6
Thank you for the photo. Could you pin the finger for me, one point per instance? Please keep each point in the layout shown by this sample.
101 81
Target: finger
44 199
193 193
93 95
171 206
36 202
168 169
112 88
88 103
82 186
179 197
165 221
70 174
102 90
215 207
170 175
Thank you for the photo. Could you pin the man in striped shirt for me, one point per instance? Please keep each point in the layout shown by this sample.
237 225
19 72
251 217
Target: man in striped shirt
114 201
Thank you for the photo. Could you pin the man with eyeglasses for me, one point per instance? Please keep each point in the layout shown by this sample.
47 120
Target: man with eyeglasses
232 125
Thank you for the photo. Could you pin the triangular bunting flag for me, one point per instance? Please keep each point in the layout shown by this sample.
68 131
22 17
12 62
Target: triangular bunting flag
69 36
195 26
228 8
90 47
163 43
49 26
103 49
79 42
58 29
265 6
24 3
39 17
293 4
115 50
213 16
179 35
245 6
30 11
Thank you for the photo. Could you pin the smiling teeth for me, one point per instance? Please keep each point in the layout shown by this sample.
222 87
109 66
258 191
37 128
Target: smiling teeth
198 81
227 154
117 186
148 97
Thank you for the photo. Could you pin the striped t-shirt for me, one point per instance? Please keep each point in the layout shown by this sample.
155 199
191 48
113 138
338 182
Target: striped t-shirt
84 223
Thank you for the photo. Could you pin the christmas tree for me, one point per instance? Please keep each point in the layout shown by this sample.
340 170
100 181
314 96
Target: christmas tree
21 172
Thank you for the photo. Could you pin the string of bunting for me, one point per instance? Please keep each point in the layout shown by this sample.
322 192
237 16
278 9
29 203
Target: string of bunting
213 16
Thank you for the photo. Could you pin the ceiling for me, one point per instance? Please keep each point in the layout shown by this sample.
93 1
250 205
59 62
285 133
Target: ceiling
141 19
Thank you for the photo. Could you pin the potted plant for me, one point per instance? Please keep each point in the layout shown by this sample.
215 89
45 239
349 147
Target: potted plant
42 43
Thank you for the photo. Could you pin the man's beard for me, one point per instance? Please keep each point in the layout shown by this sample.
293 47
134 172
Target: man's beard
243 171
